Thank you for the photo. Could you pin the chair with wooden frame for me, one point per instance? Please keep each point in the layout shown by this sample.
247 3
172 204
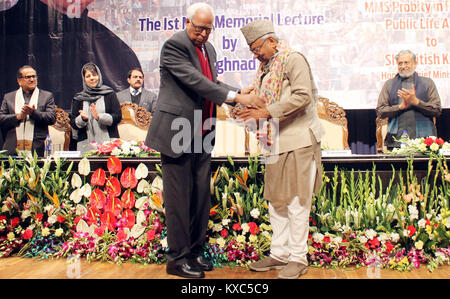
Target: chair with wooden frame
60 131
135 122
334 122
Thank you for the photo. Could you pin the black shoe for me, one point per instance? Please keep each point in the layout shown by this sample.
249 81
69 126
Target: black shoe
204 263
186 270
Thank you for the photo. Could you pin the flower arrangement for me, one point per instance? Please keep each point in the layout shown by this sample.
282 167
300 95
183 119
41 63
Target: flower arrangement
117 215
426 146
122 148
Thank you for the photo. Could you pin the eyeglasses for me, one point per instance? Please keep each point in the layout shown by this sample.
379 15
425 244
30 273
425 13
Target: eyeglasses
404 63
200 29
29 77
257 49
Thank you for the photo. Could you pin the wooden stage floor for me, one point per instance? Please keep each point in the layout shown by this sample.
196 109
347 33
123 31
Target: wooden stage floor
26 268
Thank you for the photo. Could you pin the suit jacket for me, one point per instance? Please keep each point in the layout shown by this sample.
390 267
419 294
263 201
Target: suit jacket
299 124
147 101
44 116
182 94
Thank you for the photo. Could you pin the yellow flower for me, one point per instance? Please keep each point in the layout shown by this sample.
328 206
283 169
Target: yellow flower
59 232
11 236
240 239
253 238
419 245
404 261
45 232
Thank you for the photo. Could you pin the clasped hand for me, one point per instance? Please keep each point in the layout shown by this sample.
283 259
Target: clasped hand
26 111
408 97
94 113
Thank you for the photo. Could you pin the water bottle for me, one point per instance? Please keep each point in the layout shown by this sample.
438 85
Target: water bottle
48 146
404 136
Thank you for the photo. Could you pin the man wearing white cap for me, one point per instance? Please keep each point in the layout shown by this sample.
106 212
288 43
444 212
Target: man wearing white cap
293 170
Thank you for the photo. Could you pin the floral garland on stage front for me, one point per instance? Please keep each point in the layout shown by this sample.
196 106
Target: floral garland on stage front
121 148
117 215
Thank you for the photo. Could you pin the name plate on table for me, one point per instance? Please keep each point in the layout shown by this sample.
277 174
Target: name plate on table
336 153
68 154
445 152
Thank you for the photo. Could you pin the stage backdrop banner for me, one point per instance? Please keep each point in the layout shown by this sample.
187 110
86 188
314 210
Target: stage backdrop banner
351 45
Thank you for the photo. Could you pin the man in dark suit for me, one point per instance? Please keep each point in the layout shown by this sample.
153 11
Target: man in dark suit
26 113
187 97
136 93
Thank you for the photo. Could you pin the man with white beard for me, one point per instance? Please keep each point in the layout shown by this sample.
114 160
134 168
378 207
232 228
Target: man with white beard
409 101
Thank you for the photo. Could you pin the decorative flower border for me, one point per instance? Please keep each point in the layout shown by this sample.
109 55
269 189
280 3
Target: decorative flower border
118 215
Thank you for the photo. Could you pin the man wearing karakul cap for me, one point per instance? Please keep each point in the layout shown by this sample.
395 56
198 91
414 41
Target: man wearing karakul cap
293 171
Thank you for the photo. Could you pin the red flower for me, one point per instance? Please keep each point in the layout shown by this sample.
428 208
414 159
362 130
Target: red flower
121 236
150 235
411 230
128 199
237 227
114 206
374 243
129 217
60 219
113 187
15 221
99 230
326 239
439 141
27 234
253 228
98 177
106 148
108 220
428 141
77 219
224 233
97 198
92 215
114 165
389 247
39 217
2 218
128 178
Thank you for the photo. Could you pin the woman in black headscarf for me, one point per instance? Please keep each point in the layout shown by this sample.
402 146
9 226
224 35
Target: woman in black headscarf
95 110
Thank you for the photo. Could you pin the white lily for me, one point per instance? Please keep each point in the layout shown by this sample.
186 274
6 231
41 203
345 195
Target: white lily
83 227
142 186
139 204
136 231
76 181
84 167
157 184
86 190
76 196
140 217
141 171
80 210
